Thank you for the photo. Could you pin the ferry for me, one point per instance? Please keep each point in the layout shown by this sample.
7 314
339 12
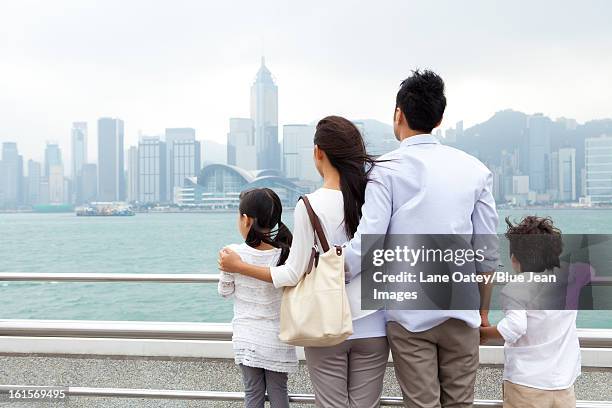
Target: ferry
105 210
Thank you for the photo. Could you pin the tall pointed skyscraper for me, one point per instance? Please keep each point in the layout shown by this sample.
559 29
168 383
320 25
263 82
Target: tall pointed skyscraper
264 113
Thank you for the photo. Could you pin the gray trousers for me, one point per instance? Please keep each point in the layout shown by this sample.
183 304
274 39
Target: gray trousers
350 374
257 381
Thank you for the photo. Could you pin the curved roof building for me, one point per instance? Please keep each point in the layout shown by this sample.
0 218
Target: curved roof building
219 186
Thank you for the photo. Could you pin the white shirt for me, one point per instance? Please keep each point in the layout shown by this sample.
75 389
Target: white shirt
256 322
428 188
328 204
541 346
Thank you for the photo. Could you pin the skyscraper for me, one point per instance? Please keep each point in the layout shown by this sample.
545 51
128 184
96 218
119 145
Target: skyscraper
79 148
56 184
538 130
79 156
53 157
297 153
241 149
34 179
89 182
183 156
11 176
598 151
567 174
152 170
132 174
111 182
264 113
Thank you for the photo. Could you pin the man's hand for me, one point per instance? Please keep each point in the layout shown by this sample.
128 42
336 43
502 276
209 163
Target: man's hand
484 318
229 261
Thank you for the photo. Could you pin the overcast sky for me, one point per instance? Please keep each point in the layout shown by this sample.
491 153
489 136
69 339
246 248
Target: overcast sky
159 64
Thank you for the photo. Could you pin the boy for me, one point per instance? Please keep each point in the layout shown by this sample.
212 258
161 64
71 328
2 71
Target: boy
542 353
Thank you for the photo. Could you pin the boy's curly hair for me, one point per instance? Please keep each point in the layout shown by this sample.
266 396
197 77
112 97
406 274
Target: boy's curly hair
535 242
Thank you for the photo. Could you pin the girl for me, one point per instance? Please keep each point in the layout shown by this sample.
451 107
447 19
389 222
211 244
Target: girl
351 373
263 359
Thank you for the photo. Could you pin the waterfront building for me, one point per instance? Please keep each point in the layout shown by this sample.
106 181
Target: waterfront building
459 129
184 157
11 176
132 174
111 180
520 184
566 158
152 170
554 175
219 185
56 184
298 163
33 182
44 191
538 131
264 113
89 182
241 150
598 159
53 157
79 156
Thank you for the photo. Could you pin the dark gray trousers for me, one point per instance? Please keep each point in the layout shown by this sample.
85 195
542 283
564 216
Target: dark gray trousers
257 381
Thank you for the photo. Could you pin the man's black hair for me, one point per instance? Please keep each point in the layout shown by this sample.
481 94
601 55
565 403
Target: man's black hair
421 100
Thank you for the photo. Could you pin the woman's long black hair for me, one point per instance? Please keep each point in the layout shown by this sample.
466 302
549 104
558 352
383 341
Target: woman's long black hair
264 206
343 144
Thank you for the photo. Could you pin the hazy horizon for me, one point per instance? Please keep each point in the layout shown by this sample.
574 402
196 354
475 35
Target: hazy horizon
191 63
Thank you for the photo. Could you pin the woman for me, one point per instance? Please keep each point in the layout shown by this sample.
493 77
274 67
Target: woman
351 373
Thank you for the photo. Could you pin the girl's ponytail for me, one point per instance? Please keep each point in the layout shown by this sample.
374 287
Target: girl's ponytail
265 207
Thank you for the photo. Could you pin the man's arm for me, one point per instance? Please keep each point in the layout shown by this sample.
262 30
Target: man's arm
485 220
375 217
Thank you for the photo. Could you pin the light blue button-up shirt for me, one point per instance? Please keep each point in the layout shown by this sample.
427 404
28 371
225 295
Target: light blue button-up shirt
426 187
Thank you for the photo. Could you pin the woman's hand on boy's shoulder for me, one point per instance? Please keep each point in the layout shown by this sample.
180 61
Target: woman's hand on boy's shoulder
229 260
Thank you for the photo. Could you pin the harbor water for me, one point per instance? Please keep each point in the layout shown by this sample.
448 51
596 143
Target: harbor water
158 243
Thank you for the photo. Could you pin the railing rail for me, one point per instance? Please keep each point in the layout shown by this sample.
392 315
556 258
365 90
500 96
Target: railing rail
235 396
150 277
589 338
594 338
109 277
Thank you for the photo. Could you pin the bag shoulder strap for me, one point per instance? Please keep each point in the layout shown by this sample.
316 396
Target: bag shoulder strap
316 224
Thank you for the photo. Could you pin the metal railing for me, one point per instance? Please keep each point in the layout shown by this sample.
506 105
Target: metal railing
236 396
589 338
110 277
152 277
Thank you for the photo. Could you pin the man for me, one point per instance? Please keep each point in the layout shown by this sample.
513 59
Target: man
424 187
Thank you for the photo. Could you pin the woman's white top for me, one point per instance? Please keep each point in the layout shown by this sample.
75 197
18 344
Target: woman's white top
541 348
256 322
328 204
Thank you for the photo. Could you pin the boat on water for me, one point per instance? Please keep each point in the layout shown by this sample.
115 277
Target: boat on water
105 210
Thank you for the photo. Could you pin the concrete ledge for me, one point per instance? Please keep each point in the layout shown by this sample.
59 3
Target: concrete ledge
591 357
207 374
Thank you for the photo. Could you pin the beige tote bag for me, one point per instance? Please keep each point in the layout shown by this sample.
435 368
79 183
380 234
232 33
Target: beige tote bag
316 311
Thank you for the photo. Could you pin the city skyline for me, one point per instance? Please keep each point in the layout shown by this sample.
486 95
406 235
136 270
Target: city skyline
518 55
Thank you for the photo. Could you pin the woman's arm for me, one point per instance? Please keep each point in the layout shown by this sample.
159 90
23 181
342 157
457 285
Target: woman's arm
294 268
230 261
